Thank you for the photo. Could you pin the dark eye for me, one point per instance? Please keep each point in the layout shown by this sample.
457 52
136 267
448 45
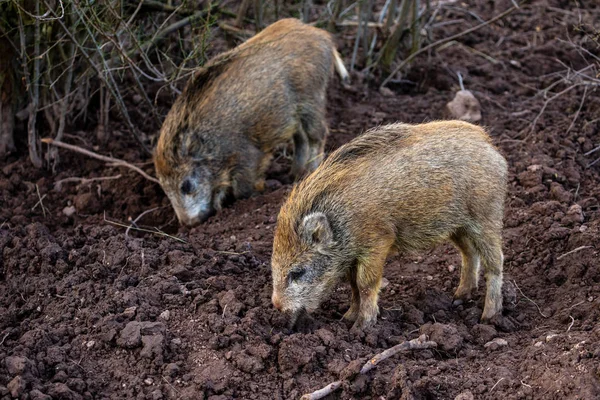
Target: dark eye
187 187
296 274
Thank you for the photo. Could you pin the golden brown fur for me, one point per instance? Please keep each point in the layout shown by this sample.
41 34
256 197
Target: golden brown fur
219 137
397 187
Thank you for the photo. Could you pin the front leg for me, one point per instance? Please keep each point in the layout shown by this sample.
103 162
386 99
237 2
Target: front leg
368 281
352 313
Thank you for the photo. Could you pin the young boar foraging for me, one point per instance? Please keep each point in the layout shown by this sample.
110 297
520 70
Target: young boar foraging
219 136
398 187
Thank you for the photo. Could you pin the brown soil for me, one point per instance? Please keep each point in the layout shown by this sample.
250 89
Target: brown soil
88 312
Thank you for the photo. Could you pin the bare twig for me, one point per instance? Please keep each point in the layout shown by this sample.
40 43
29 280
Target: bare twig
114 161
40 201
573 251
58 184
138 218
499 380
416 344
557 95
534 303
157 232
325 391
571 324
448 39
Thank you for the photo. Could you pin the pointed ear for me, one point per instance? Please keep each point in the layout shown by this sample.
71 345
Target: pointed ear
316 229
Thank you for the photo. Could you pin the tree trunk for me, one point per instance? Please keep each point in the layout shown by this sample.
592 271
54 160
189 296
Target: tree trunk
8 98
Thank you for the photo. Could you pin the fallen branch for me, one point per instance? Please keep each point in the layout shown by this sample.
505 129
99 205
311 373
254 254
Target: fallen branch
114 161
446 40
416 344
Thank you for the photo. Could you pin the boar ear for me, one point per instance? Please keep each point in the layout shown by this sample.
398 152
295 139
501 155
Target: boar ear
316 229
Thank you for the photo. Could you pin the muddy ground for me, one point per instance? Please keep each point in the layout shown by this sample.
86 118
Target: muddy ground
88 311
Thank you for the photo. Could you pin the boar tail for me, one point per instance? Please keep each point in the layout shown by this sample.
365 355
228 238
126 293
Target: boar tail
339 67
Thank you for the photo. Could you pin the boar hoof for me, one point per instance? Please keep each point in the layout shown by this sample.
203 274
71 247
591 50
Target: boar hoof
363 323
457 302
351 314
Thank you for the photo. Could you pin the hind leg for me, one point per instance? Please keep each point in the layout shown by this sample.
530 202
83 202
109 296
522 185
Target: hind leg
489 246
301 153
469 271
315 126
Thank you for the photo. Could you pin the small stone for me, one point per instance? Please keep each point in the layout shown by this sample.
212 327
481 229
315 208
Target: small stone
69 211
451 268
171 370
16 386
446 336
538 344
90 344
385 92
156 395
16 365
176 341
148 381
384 283
130 312
152 346
495 344
131 335
429 277
37 395
465 107
465 396
590 299
165 315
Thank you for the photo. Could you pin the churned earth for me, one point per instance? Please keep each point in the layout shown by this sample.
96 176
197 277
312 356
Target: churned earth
89 310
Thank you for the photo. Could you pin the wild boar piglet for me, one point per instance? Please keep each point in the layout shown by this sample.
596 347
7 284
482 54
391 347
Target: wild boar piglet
401 188
219 137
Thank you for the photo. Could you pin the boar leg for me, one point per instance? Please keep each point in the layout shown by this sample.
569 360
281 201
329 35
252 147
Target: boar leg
300 153
469 271
316 144
352 313
368 280
489 246
261 172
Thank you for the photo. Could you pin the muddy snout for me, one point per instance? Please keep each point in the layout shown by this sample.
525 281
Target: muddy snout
190 221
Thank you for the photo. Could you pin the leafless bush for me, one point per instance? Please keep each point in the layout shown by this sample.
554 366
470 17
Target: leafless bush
70 53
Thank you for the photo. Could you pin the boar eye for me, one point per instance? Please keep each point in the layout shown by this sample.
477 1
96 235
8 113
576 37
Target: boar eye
187 187
296 274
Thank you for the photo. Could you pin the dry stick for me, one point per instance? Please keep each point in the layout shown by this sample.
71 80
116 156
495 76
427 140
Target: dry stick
448 39
40 201
114 161
573 251
534 303
58 184
557 95
416 344
572 322
143 230
138 218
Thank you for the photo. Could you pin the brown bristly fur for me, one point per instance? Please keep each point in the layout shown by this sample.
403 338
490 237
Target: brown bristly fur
238 108
399 188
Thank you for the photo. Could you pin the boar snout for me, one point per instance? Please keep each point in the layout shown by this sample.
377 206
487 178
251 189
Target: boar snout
276 300
195 220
